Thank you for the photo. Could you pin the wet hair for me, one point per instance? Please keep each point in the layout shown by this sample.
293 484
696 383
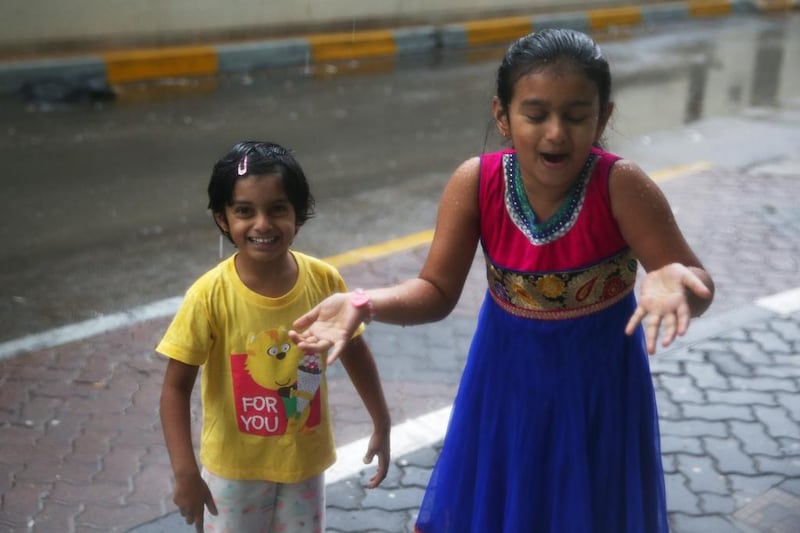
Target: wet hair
254 158
548 47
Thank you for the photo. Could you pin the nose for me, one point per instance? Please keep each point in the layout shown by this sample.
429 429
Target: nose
263 222
556 130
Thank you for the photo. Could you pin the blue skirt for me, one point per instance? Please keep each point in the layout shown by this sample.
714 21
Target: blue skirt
554 430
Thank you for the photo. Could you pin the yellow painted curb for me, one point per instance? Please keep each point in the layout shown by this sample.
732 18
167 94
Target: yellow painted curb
600 19
160 63
343 46
709 8
502 30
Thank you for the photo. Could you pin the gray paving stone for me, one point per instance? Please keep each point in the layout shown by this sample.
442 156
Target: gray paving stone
416 477
679 498
788 329
365 521
717 504
682 389
720 412
777 421
681 523
750 352
746 488
729 456
754 438
764 384
422 458
791 402
693 428
671 444
346 494
706 376
738 397
701 475
728 364
771 342
404 498
786 466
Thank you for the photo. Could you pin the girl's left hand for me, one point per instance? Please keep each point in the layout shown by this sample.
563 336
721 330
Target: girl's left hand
664 296
378 445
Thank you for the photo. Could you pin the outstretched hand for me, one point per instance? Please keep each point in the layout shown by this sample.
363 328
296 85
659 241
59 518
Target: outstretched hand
664 299
328 326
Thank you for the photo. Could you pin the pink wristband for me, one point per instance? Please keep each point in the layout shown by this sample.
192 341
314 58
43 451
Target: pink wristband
361 300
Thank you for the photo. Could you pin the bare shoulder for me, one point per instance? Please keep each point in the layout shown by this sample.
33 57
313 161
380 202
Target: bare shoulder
461 191
467 172
631 188
645 218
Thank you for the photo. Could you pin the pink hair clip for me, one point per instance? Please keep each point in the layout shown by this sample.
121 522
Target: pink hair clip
242 168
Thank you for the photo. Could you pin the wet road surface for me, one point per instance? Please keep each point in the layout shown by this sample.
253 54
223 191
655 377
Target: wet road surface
104 203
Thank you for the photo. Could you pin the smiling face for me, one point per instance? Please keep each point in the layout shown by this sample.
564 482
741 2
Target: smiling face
553 119
260 220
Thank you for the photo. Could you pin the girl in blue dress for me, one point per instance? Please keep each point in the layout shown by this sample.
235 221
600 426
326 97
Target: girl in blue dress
554 428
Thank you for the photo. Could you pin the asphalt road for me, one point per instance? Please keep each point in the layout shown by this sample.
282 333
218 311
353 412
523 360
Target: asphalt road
103 203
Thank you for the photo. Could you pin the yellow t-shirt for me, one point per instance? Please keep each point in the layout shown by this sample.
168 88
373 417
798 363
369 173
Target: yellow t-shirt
265 404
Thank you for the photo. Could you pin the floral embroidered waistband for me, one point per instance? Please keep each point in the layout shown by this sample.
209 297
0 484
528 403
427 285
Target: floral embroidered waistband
565 294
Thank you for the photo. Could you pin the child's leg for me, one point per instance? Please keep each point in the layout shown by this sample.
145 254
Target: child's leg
300 507
243 506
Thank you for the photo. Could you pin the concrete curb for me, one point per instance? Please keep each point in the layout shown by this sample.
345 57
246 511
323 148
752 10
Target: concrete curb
148 64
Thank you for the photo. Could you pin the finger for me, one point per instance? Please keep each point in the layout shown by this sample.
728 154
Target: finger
198 526
635 320
696 285
314 345
669 326
335 352
651 333
684 315
212 507
307 319
380 473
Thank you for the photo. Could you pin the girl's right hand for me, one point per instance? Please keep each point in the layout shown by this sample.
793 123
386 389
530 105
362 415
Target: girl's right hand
191 496
328 326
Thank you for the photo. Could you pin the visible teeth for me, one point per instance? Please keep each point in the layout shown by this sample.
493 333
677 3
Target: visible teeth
268 240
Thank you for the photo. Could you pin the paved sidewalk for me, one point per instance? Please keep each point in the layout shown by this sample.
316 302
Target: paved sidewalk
81 447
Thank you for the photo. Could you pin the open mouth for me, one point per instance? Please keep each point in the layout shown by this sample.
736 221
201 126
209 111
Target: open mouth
263 240
554 158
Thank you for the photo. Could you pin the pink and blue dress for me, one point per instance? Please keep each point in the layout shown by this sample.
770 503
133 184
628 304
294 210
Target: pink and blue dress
554 428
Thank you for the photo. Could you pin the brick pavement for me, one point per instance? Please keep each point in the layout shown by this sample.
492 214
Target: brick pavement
81 446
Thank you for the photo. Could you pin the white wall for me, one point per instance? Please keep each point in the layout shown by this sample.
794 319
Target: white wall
50 23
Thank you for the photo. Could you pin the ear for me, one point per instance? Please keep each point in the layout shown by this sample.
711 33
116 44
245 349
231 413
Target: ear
222 222
603 120
501 118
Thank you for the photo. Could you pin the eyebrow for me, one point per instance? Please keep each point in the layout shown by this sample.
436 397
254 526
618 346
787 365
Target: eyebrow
536 102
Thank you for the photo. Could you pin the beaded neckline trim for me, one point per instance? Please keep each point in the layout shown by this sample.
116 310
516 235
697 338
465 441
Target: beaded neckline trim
519 208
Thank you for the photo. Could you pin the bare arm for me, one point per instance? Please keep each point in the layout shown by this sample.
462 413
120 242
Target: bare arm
429 297
360 366
676 286
191 492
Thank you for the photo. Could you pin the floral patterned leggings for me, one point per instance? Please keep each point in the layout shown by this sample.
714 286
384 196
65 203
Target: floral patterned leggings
264 506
